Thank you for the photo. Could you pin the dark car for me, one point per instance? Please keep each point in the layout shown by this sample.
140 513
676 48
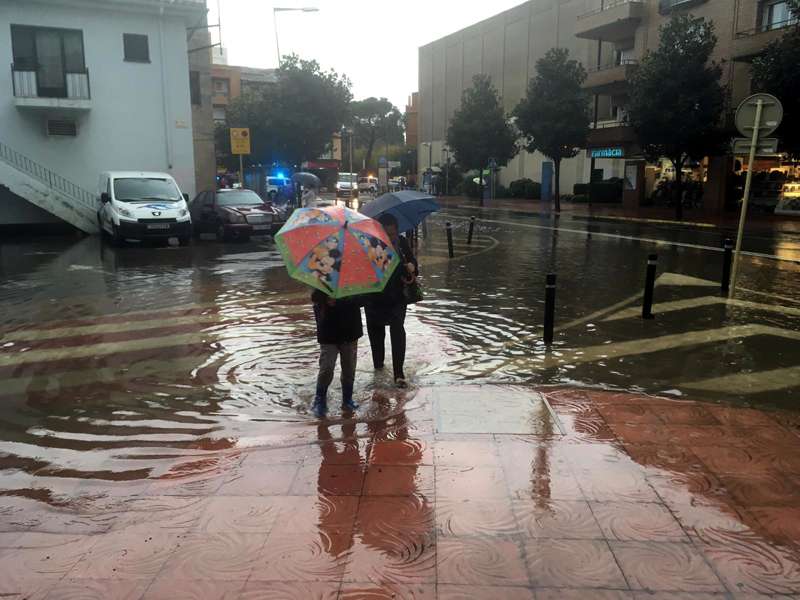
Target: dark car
234 213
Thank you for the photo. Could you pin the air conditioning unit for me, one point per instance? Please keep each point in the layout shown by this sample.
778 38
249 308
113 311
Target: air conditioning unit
62 127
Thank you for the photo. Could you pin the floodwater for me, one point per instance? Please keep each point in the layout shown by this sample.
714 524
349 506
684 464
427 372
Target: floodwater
113 362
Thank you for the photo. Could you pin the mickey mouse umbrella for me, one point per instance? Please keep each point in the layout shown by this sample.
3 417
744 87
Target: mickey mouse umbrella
337 250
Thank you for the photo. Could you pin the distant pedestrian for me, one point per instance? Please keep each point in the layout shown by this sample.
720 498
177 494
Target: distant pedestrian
309 196
338 331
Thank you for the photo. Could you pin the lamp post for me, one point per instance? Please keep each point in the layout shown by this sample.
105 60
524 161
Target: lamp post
275 12
351 133
447 172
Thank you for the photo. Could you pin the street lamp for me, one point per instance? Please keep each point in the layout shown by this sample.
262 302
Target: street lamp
446 152
275 11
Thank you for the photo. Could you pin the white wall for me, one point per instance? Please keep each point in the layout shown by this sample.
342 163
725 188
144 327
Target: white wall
125 129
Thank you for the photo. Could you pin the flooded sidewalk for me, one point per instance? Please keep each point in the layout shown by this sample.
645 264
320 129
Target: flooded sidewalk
582 494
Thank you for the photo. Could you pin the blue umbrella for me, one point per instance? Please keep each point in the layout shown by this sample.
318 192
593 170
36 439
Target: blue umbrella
409 208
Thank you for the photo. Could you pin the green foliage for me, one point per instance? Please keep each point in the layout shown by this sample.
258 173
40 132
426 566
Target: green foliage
580 198
395 153
501 192
554 115
469 187
776 72
479 129
293 120
606 192
376 121
459 189
525 189
533 190
580 189
677 98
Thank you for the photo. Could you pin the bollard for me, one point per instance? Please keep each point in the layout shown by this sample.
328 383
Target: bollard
726 265
471 227
549 307
652 263
450 240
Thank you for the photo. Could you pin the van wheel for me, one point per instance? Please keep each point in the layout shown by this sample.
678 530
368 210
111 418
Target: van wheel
183 240
221 235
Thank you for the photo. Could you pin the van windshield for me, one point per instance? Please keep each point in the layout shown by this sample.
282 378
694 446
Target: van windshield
137 189
345 177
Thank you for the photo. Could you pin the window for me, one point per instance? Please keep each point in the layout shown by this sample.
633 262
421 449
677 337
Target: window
51 54
219 114
137 48
776 14
222 88
194 87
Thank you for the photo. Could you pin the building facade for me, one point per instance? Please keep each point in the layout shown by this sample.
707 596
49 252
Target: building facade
94 86
228 82
609 37
412 120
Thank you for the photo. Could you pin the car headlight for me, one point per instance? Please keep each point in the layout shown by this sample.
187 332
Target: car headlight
125 212
282 216
183 212
235 218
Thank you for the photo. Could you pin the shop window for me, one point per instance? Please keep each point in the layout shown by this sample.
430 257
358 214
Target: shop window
137 47
194 87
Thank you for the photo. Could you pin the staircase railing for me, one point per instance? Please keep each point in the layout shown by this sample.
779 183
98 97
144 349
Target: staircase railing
46 176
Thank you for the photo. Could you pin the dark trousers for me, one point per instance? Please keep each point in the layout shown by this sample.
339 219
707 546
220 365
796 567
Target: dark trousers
377 321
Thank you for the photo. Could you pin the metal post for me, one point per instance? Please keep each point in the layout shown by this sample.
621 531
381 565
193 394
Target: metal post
450 240
726 265
447 177
650 282
241 172
471 227
351 170
549 307
756 127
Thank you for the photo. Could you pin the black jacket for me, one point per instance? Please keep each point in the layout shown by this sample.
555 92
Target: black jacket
392 295
339 324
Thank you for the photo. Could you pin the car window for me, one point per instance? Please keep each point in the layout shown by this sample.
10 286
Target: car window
363 180
201 197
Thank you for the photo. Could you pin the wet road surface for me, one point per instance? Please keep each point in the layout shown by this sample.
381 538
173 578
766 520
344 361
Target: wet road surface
166 381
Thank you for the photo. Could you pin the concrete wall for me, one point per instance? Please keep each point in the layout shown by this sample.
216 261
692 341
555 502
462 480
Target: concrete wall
126 128
205 159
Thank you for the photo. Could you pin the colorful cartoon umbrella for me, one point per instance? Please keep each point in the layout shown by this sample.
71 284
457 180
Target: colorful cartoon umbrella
337 250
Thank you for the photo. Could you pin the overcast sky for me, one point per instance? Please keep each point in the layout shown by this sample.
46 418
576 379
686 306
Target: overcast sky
374 42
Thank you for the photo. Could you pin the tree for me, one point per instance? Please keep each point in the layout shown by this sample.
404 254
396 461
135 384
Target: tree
677 98
775 72
376 119
295 119
479 129
554 114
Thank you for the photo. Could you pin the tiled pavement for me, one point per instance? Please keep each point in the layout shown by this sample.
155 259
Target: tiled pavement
642 499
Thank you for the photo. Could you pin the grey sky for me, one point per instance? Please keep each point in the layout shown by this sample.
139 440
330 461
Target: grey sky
374 42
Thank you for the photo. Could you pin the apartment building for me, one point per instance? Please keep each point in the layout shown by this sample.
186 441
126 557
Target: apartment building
228 82
610 38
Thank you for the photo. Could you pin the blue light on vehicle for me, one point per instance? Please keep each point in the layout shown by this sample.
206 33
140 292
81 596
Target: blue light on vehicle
280 175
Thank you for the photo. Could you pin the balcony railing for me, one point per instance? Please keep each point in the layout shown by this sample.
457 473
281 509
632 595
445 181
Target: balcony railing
667 6
603 8
76 86
609 124
766 28
611 65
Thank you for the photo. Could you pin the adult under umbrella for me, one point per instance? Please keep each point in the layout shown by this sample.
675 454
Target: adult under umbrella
305 178
410 208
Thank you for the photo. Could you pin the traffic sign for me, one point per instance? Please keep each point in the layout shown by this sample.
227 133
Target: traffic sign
771 115
240 140
493 163
767 146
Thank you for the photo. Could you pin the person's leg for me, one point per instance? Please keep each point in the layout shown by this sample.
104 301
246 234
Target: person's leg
376 330
397 332
328 353
349 353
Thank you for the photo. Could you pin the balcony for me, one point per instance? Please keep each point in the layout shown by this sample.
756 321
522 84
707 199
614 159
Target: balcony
610 133
612 22
73 92
611 79
665 7
749 44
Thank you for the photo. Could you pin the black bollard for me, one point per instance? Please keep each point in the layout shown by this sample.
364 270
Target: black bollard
471 227
726 265
549 307
450 240
652 263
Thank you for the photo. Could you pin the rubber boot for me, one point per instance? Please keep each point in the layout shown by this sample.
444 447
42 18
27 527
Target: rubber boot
320 406
347 397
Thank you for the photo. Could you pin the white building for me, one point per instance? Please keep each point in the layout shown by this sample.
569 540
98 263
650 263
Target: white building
94 85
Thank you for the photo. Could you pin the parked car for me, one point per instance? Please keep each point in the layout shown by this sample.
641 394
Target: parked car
141 205
343 185
234 213
369 185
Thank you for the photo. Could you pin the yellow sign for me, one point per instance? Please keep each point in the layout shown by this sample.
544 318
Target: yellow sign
240 140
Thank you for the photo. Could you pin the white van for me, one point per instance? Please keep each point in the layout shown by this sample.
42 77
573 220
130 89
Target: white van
140 205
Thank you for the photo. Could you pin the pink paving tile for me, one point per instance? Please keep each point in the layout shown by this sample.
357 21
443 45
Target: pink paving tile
126 555
706 435
195 475
557 519
541 458
720 524
767 436
213 556
638 521
392 557
547 486
573 563
328 480
579 430
411 515
480 561
384 591
181 589
613 484
763 489
665 458
399 481
649 595
302 557
259 480
472 592
239 514
44 555
628 413
466 517
692 488
161 514
756 568
744 417
647 434
665 566
469 454
581 594
782 522
100 589
402 452
343 452
282 590
747 460
312 514
25 589
686 415
470 482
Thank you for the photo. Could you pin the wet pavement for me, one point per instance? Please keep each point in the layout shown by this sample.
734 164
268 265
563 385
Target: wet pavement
155 426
